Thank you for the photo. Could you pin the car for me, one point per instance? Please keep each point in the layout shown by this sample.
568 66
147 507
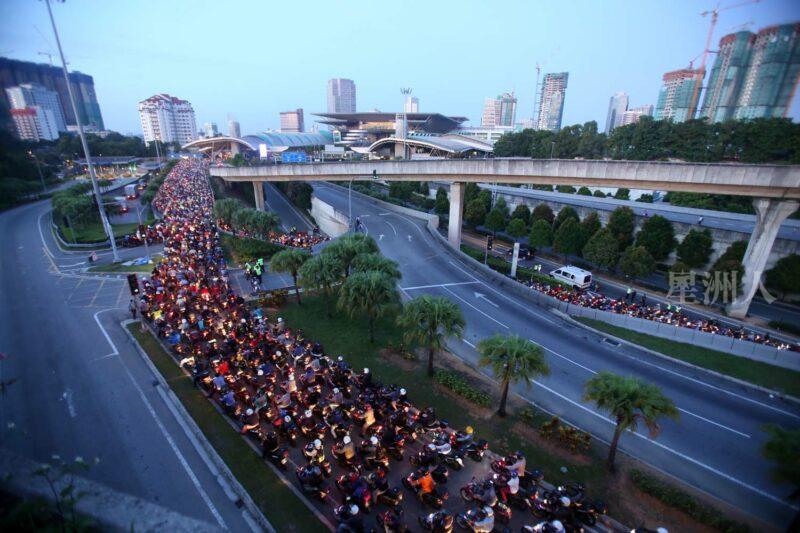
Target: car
572 276
524 251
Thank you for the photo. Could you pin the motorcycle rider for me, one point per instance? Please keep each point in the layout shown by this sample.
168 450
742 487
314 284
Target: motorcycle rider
311 476
250 421
270 445
518 465
370 449
349 520
345 450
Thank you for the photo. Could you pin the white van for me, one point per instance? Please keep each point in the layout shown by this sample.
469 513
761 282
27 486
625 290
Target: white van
573 276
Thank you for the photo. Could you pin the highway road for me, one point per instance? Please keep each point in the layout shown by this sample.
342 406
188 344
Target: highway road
715 444
75 386
290 215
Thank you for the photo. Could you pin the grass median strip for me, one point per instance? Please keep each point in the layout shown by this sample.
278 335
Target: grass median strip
281 507
763 374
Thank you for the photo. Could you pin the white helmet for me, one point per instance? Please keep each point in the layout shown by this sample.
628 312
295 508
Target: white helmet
564 501
336 390
291 377
374 440
340 358
248 412
260 372
346 439
661 530
559 527
317 443
287 419
402 392
308 413
354 509
366 370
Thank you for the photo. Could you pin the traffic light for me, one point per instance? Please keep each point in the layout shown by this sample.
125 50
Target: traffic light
489 242
133 284
374 174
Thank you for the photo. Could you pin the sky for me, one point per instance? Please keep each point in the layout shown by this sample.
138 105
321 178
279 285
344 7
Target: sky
249 60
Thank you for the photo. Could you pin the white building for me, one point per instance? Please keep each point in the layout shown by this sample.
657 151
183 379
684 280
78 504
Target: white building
210 129
551 101
167 119
617 107
35 95
411 105
487 135
233 129
633 115
500 111
341 96
292 121
35 124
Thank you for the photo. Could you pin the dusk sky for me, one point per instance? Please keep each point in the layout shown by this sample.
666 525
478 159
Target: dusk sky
251 60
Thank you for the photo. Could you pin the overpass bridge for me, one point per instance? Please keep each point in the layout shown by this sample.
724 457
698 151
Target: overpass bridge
775 189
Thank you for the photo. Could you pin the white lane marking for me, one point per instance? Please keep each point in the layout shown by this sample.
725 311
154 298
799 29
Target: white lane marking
468 343
380 237
67 397
482 296
675 452
105 333
383 214
178 454
680 409
41 235
475 308
73 265
392 226
409 238
439 285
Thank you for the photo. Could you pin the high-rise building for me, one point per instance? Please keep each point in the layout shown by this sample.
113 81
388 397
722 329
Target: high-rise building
551 101
631 116
341 96
772 74
411 104
35 123
233 129
292 121
15 73
33 94
727 76
616 108
677 99
500 111
210 129
167 119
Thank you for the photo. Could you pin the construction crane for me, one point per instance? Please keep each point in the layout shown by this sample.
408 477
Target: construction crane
701 69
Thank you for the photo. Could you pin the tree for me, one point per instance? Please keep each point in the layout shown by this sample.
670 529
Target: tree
636 262
564 214
225 208
429 320
442 205
589 226
322 273
620 224
543 212
783 277
695 249
567 189
471 191
657 236
347 247
516 228
629 401
366 262
523 213
501 205
541 235
512 359
622 194
495 221
599 194
262 222
783 449
372 293
243 219
475 212
645 198
584 191
678 267
568 238
601 249
486 197
290 261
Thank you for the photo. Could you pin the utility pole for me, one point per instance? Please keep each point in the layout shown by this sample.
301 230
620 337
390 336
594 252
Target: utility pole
535 117
98 197
39 169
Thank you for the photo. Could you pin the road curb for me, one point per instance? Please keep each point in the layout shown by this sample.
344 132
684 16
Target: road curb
572 321
240 491
208 449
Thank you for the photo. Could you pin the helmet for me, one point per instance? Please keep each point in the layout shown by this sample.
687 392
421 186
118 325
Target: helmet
308 413
260 372
279 353
287 419
291 377
558 527
346 439
248 412
340 358
564 501
366 370
432 447
317 443
469 430
336 390
402 392
354 509
374 440
662 530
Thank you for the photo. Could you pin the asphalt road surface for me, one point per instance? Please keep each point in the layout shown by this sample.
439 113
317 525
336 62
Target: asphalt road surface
290 215
74 384
715 446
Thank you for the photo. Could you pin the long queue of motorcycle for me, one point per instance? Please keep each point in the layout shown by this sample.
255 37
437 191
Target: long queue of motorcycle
285 391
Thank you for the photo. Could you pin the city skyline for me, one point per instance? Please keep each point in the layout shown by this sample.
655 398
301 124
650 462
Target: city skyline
257 102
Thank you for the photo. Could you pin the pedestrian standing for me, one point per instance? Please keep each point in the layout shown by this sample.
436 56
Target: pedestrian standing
133 309
633 296
644 299
628 294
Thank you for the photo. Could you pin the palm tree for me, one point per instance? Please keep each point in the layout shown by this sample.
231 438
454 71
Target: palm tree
365 262
290 261
322 273
371 292
429 320
347 247
783 448
512 359
629 400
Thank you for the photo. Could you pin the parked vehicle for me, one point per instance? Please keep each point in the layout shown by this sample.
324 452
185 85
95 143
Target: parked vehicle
572 276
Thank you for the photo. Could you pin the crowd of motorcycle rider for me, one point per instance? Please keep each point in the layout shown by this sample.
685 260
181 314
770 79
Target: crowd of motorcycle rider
284 390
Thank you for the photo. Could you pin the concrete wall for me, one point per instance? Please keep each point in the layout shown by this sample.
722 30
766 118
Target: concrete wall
330 221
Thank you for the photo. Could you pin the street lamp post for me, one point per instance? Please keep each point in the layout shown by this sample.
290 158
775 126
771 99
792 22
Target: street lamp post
350 203
39 169
146 246
79 122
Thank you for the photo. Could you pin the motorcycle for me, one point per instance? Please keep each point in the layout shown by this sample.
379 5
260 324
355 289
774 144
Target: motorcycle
475 450
468 519
356 489
435 498
437 522
320 490
481 491
391 521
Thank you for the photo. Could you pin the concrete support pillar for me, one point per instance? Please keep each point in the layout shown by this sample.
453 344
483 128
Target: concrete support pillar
234 148
456 210
770 214
258 193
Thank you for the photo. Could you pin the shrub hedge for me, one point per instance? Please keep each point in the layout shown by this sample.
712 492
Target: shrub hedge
462 386
243 249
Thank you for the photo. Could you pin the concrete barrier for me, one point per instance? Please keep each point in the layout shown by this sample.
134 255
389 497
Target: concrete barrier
330 221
